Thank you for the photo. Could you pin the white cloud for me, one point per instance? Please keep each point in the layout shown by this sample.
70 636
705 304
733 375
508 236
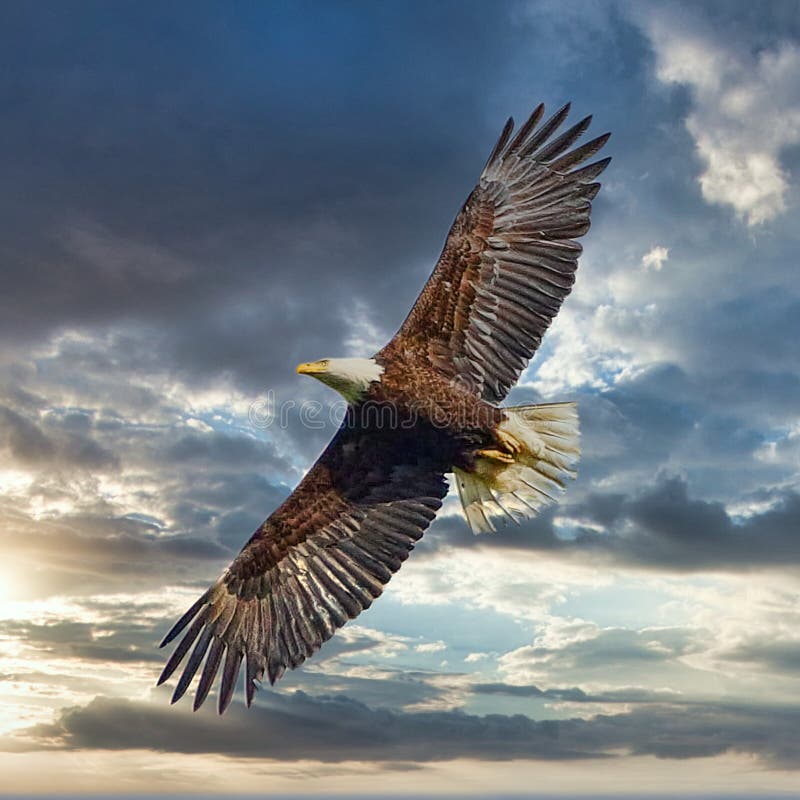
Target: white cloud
431 647
365 337
746 109
523 586
378 642
471 658
596 346
655 258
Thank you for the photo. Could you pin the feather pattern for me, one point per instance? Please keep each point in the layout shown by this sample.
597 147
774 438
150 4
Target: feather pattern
510 257
318 561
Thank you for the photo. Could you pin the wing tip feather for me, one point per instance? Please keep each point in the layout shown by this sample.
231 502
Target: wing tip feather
194 609
502 141
542 134
525 130
275 640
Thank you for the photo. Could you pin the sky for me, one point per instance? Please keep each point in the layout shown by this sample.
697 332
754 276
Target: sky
197 196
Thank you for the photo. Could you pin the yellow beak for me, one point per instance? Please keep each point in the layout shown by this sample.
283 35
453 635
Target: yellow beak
311 368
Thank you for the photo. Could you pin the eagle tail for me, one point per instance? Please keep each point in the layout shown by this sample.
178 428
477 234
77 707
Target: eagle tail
548 436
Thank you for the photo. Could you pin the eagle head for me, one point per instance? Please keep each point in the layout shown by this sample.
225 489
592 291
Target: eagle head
350 377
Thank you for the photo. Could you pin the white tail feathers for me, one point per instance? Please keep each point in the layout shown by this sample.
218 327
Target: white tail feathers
549 439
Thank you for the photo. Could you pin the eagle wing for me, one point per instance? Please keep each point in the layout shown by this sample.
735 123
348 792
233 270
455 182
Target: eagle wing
319 560
509 259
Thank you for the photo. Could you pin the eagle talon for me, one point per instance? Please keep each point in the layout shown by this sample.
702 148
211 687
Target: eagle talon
509 442
496 455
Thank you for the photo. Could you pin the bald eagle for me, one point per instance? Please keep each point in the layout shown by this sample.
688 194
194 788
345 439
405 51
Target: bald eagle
424 406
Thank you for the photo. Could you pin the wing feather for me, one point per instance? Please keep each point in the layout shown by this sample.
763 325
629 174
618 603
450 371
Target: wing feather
318 561
510 257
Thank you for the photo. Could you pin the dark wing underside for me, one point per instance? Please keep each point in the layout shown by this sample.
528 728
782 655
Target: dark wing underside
509 259
319 560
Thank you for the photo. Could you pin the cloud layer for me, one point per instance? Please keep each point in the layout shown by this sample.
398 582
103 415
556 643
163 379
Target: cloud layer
193 204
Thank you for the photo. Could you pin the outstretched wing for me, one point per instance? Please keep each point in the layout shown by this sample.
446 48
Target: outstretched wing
319 560
509 259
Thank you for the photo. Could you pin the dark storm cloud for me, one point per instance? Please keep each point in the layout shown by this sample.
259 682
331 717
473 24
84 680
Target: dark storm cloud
389 689
625 648
340 729
29 444
88 554
207 482
196 212
188 171
529 690
222 449
325 729
660 527
107 643
231 506
781 656
575 694
712 428
210 485
665 527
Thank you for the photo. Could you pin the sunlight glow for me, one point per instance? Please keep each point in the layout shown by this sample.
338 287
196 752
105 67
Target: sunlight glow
13 481
9 589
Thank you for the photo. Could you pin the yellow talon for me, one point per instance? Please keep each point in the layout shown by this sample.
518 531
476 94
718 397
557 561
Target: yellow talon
511 443
496 455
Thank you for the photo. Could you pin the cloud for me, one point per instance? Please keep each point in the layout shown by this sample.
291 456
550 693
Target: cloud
333 729
655 258
664 527
734 91
431 647
199 217
274 187
566 652
322 729
91 554
29 444
659 526
577 695
472 658
117 644
780 655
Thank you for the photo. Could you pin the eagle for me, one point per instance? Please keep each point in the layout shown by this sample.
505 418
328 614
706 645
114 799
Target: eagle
425 406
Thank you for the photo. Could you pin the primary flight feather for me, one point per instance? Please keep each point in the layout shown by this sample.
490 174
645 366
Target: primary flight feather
422 407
